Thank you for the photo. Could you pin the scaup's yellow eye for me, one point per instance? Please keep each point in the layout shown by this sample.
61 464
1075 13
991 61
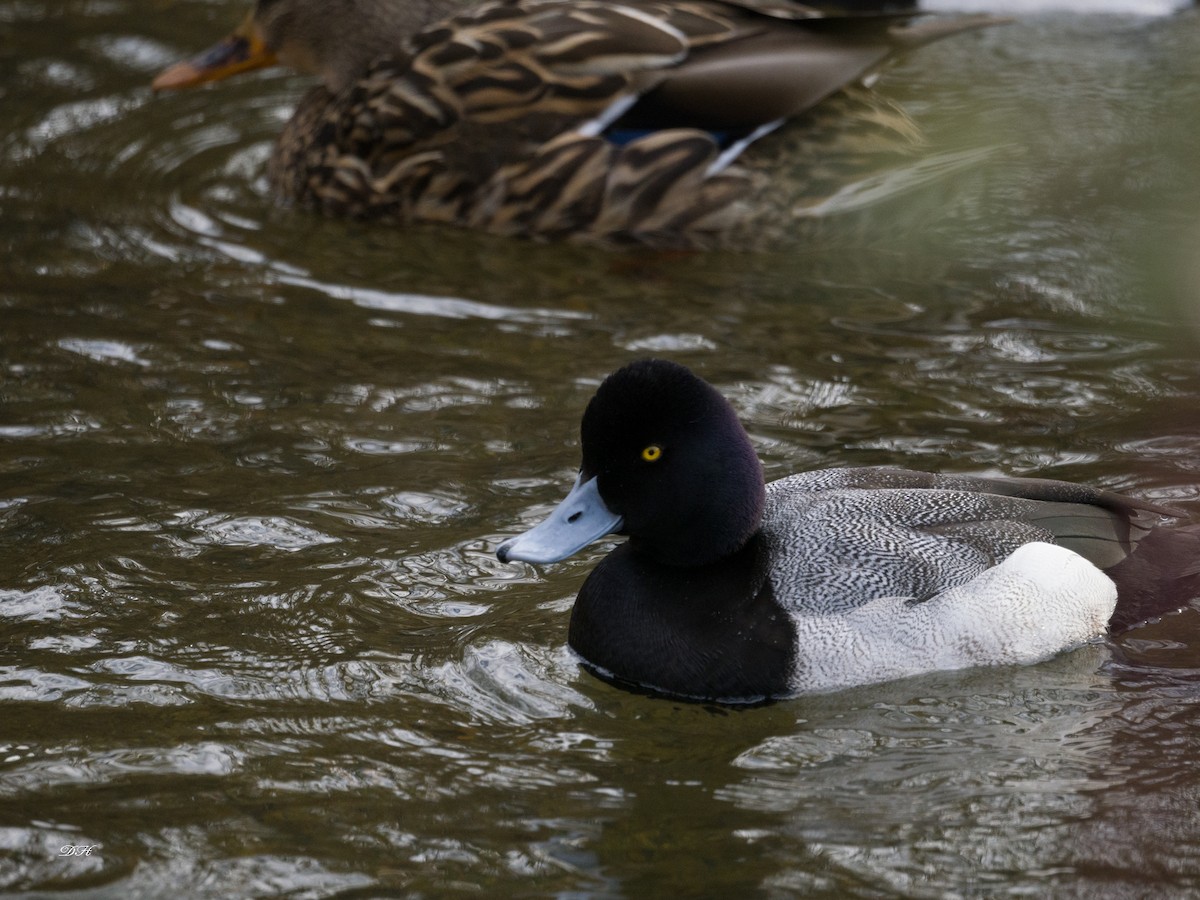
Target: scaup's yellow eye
652 453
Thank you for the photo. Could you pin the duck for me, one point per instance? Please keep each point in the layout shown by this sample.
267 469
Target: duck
670 123
730 590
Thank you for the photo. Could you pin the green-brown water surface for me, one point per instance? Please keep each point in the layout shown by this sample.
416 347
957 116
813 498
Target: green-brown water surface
254 465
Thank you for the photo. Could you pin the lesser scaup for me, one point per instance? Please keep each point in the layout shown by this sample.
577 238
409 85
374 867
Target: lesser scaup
731 590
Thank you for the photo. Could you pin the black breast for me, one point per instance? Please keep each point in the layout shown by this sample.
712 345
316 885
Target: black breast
708 632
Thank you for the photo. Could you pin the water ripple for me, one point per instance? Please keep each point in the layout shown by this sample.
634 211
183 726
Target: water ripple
257 461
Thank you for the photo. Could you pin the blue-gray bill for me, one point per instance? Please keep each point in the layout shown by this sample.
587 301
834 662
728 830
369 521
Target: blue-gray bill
579 519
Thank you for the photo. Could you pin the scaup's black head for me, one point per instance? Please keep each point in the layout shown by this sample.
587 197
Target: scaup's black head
665 461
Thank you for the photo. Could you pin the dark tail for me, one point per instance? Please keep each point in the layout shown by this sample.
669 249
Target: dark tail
925 31
905 30
1159 577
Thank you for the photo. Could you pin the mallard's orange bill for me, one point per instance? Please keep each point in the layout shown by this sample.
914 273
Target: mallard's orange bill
241 51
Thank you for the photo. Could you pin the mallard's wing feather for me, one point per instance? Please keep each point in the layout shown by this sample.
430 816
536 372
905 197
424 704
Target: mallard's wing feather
702 63
771 70
644 191
492 117
571 59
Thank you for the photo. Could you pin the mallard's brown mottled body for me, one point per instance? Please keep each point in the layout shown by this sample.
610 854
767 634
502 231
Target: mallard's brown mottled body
662 122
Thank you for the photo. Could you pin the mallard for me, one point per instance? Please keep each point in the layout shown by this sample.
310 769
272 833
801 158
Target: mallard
649 121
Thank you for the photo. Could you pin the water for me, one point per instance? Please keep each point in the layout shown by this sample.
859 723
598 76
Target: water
254 463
